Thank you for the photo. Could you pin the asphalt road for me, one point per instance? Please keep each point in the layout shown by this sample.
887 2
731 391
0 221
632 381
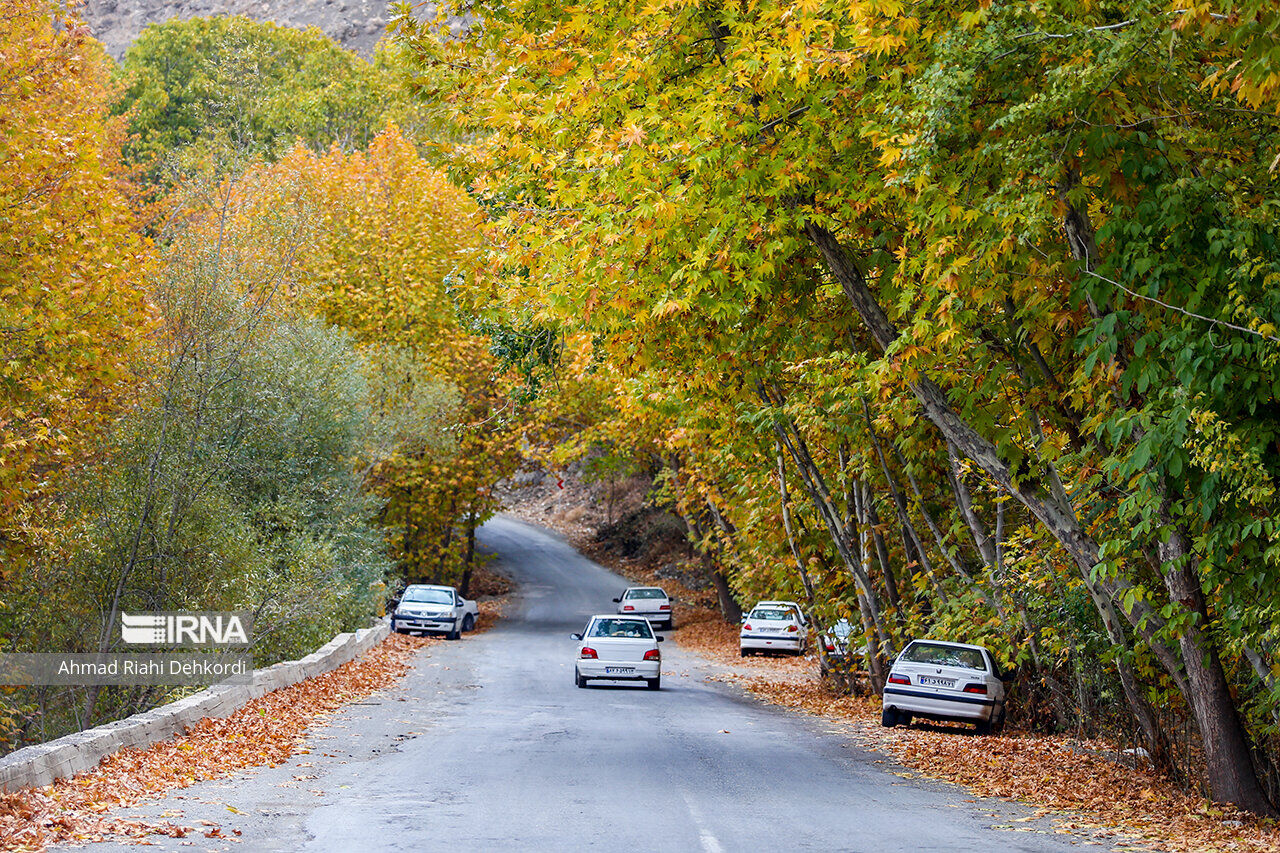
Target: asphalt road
487 745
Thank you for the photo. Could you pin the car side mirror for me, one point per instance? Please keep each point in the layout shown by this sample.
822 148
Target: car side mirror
662 639
617 601
576 636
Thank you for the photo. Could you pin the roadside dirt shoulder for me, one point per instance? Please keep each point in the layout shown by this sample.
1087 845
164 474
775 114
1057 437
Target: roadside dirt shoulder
266 732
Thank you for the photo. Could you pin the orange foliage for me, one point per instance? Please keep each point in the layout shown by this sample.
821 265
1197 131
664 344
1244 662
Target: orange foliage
72 305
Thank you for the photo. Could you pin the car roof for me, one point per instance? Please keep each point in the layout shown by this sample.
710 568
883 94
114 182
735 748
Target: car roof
949 643
428 586
658 588
791 614
621 616
777 604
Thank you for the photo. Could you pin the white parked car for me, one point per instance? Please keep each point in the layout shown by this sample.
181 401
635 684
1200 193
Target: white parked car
434 609
773 627
618 647
944 681
651 602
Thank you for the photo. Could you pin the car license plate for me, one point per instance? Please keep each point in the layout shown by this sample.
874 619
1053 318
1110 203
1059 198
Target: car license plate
934 681
619 670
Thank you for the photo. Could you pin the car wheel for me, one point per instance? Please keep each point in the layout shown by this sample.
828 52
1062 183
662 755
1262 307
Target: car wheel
455 634
982 727
671 625
468 623
398 630
653 683
742 652
889 717
578 679
997 726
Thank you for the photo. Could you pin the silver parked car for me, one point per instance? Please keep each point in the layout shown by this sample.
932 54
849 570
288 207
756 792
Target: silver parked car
938 680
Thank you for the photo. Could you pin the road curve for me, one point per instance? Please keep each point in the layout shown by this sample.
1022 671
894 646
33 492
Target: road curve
487 745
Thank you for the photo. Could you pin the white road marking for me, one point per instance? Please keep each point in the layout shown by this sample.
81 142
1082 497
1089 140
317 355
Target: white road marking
709 842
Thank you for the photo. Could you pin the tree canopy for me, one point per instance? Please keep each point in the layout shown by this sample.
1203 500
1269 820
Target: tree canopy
73 311
999 275
259 86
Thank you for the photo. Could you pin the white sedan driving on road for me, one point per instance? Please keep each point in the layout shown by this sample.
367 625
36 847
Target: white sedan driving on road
434 609
618 647
651 602
944 681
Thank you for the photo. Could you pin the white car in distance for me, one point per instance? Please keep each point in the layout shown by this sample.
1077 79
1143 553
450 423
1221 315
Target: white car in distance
651 602
772 626
434 609
618 648
944 681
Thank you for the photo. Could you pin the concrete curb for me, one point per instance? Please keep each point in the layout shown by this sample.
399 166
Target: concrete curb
43 763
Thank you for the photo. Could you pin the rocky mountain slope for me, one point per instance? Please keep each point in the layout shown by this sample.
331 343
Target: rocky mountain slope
355 24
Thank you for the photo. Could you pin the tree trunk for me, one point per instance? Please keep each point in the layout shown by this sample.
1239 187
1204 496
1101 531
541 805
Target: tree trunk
815 485
464 588
1232 776
791 534
911 542
882 554
937 408
953 559
729 607
1229 763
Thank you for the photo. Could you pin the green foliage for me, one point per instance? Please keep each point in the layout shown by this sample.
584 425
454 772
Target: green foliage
260 86
999 275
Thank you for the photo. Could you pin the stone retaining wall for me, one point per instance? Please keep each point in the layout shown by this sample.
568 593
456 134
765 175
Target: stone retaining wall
43 763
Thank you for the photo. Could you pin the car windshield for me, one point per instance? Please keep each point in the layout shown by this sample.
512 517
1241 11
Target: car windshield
771 614
645 593
634 629
428 596
937 654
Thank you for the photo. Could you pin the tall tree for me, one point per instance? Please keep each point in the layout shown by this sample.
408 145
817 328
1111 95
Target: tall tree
992 188
73 311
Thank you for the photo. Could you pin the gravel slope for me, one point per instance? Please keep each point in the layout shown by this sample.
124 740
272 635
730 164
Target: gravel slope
355 24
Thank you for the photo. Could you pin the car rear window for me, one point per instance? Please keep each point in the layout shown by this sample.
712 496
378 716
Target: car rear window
938 654
771 614
646 593
626 628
